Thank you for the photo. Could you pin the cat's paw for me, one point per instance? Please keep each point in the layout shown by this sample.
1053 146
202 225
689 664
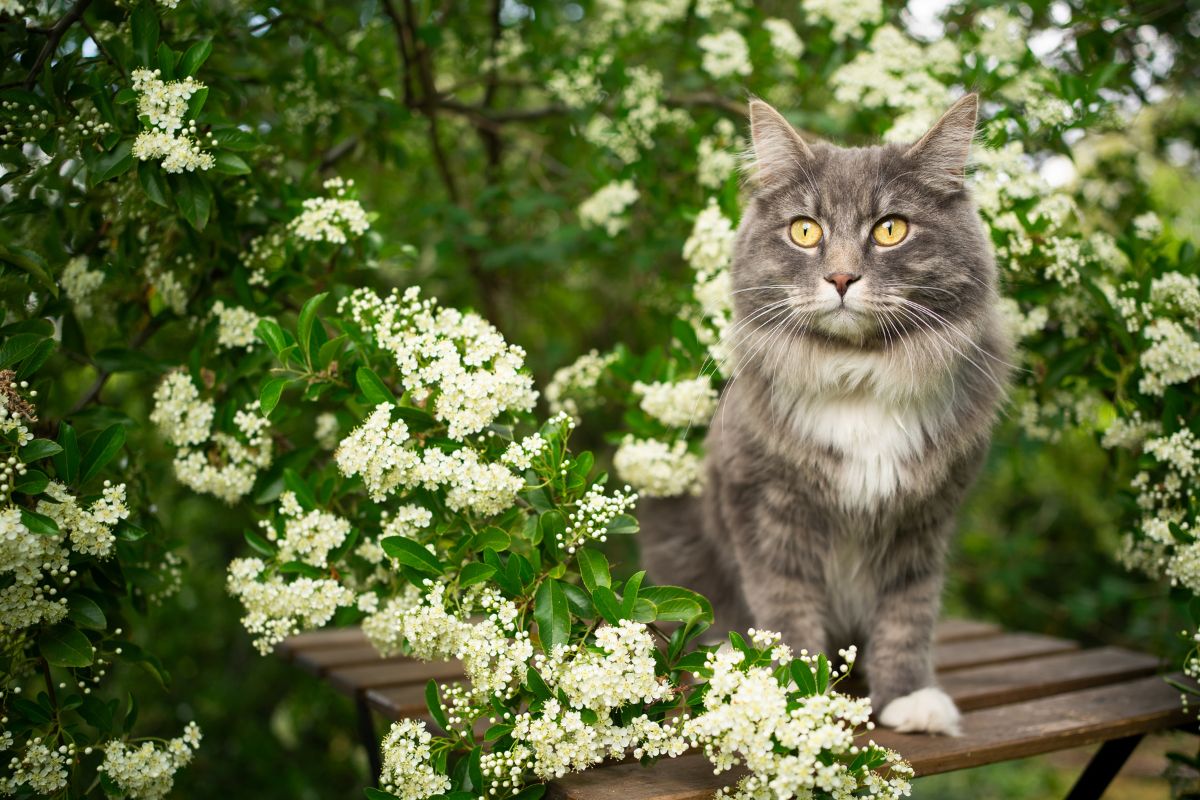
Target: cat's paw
928 710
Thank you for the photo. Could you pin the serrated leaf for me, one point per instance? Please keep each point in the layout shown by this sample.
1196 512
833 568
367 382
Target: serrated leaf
606 603
65 646
475 572
490 539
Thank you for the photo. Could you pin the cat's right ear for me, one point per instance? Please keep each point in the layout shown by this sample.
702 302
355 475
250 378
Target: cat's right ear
777 148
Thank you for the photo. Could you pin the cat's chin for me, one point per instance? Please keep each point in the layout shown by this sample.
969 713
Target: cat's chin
847 325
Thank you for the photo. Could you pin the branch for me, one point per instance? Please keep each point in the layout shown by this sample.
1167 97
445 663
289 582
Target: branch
103 375
56 34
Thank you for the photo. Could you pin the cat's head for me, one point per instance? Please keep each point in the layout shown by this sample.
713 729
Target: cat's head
861 247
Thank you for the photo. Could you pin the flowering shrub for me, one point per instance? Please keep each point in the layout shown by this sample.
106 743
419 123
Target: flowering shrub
183 268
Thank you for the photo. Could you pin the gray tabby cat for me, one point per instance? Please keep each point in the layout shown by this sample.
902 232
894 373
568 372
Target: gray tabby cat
870 362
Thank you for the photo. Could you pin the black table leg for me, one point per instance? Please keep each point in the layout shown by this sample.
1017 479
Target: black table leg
1103 767
366 733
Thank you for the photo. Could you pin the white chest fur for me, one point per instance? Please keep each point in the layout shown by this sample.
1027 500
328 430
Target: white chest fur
875 439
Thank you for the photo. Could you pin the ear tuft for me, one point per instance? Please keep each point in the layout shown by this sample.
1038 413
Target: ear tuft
777 148
943 151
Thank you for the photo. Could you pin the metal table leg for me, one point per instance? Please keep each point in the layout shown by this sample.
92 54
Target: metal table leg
1103 767
366 733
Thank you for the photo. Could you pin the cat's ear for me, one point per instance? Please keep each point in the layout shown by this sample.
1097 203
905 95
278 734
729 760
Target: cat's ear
943 151
777 148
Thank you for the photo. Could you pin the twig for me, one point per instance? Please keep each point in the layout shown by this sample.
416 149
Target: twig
56 34
103 375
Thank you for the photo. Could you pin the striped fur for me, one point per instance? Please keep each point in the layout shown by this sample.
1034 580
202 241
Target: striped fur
848 434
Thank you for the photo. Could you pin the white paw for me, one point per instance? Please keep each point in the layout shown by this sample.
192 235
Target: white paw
928 710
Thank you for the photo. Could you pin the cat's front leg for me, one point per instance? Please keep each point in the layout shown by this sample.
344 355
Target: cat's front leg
904 692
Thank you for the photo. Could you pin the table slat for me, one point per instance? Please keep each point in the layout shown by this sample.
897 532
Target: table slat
998 649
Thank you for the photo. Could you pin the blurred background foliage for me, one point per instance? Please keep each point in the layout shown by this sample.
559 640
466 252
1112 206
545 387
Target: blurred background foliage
473 170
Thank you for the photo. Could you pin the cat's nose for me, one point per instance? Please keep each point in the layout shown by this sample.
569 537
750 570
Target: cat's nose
841 281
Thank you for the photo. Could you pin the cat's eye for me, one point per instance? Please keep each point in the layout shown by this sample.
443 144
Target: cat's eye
890 231
805 232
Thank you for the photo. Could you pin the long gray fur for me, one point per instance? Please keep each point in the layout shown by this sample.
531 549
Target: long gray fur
848 435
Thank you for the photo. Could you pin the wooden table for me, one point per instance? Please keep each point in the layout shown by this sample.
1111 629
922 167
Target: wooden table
1021 694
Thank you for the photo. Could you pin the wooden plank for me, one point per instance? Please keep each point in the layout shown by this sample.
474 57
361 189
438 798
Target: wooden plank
1009 732
391 672
997 649
957 630
321 660
327 637
1013 682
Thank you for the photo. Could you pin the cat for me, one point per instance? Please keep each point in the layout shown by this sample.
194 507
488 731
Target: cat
870 362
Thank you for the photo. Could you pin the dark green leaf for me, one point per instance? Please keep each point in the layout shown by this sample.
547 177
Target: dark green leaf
33 482
490 538
65 646
39 449
105 446
39 523
434 702
115 162
194 198
66 463
374 389
144 25
802 675
593 568
552 614
475 572
578 600
194 58
607 605
622 524
18 347
268 396
259 543
408 552
154 183
269 331
230 163
85 613
822 673
306 321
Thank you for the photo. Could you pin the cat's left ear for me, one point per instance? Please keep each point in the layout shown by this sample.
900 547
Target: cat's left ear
943 151
778 149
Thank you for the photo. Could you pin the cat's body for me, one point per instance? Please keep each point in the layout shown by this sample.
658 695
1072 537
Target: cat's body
856 421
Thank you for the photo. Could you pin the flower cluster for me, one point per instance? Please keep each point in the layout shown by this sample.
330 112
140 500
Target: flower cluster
593 515
277 608
147 771
235 326
678 404
334 219
725 54
162 105
659 469
606 208
79 283
407 763
572 388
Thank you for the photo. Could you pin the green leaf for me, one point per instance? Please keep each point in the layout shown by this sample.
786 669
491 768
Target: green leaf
39 523
434 702
304 325
230 163
270 332
490 539
822 673
154 183
268 396
39 449
579 601
533 792
593 568
115 162
475 572
128 532
259 543
552 614
302 568
496 731
629 594
144 25
18 347
33 482
607 605
34 361
371 793
66 463
194 58
802 676
554 528
622 524
408 552
166 62
106 445
372 387
194 198
674 602
85 613
65 646
537 685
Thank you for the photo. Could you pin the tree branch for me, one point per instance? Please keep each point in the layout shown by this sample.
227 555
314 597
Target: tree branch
56 34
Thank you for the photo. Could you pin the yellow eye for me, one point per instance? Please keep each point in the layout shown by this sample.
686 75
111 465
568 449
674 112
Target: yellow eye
805 232
890 231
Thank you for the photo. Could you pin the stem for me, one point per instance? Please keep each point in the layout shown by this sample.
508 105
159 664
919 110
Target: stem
56 34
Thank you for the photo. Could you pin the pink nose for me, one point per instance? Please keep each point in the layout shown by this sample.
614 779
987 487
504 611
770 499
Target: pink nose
841 281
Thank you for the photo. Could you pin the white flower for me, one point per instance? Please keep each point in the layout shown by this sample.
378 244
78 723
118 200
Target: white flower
1178 293
1023 325
408 764
606 208
307 536
235 326
276 608
334 219
622 672
1147 225
574 385
581 87
715 156
657 469
592 515
638 114
90 529
326 431
378 451
147 772
849 17
79 283
41 768
725 54
784 39
1172 358
679 404
163 106
180 414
